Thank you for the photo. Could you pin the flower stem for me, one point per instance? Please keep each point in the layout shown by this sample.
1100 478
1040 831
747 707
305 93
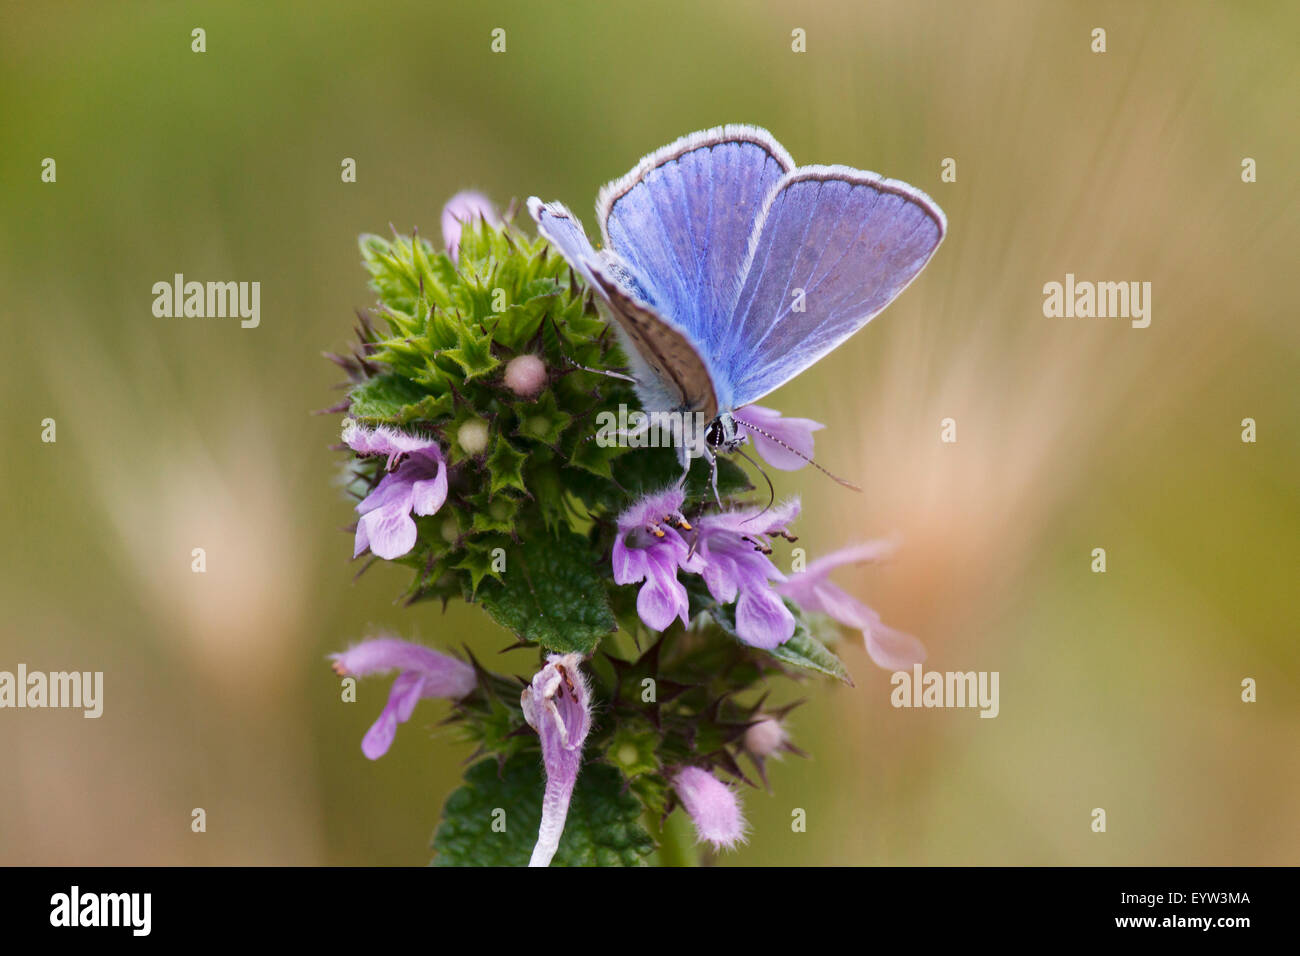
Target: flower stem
676 840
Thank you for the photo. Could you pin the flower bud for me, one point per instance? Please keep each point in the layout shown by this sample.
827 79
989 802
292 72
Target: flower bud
765 738
712 807
460 209
525 375
473 437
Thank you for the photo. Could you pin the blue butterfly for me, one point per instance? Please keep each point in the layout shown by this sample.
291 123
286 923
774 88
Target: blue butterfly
728 270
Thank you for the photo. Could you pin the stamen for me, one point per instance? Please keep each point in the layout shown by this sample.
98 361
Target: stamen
673 521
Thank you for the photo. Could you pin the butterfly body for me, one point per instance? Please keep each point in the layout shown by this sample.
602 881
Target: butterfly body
728 270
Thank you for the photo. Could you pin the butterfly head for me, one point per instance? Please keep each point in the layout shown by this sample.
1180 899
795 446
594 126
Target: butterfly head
724 434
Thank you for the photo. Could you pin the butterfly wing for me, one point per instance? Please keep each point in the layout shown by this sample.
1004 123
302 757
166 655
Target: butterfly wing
683 218
670 372
851 241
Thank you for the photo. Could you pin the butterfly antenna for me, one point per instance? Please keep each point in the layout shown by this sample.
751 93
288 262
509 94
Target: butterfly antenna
601 371
771 492
794 451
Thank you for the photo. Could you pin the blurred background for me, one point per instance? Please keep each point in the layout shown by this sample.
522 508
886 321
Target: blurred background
1118 690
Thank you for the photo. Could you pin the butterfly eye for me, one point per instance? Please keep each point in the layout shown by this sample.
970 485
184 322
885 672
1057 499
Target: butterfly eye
714 434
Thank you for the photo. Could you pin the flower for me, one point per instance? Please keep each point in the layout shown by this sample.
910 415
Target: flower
811 589
712 806
557 704
423 673
784 443
460 209
418 484
650 548
765 737
734 548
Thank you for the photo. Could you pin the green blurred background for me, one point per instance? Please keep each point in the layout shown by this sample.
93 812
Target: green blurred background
1118 691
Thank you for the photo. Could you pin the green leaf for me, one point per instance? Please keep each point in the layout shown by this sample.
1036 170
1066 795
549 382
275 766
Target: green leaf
551 594
497 514
473 352
506 465
601 829
806 652
479 559
802 650
383 398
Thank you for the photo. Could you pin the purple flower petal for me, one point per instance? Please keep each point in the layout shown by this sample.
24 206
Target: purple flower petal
722 577
794 432
868 552
460 209
452 677
418 483
428 495
662 598
762 619
630 564
812 590
557 704
401 702
712 806
388 532
650 548
424 673
382 440
893 650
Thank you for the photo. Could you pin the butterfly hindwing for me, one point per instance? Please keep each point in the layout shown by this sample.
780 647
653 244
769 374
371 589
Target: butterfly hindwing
664 351
836 242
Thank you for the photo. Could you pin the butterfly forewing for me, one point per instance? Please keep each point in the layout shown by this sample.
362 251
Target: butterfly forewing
729 271
682 220
670 370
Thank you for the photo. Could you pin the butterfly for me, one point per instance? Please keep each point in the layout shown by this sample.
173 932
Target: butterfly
728 270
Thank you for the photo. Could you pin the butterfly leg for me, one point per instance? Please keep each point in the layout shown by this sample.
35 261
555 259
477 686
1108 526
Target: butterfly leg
683 459
713 476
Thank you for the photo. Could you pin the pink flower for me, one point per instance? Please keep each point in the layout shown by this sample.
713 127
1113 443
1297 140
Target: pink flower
417 484
557 704
730 550
781 441
423 673
712 807
812 590
734 548
650 548
460 209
